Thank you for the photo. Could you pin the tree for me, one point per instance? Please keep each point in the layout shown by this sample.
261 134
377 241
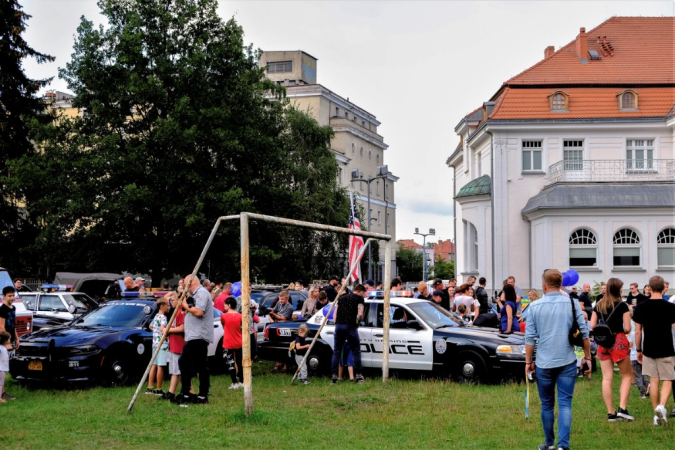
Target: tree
180 126
19 105
409 264
442 269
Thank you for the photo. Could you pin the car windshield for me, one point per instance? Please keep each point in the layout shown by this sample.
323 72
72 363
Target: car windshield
80 301
434 315
115 315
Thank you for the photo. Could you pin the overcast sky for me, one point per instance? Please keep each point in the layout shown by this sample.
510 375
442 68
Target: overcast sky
418 66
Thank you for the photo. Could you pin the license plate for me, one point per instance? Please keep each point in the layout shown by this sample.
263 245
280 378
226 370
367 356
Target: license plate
35 365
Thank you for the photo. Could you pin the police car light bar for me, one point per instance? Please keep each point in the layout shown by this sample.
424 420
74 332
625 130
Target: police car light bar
56 287
392 294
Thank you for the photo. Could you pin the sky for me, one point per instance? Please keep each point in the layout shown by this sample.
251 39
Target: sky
419 66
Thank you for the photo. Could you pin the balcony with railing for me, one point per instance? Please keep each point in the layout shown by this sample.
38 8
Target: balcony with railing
613 170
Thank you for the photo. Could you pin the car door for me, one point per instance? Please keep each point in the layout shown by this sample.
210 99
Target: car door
408 348
50 305
365 335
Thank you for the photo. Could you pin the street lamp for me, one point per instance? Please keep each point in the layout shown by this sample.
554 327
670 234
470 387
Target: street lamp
382 172
431 232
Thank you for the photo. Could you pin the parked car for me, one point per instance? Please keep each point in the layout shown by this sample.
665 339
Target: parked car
93 284
111 343
55 305
297 298
424 337
24 317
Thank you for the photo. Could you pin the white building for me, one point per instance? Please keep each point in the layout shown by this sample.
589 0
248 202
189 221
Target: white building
571 164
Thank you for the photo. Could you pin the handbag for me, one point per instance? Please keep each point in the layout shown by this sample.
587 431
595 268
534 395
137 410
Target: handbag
575 337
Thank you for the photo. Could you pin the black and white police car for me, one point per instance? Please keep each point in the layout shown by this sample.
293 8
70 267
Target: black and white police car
56 304
422 337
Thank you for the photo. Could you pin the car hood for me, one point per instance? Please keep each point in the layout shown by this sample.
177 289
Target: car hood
71 335
483 333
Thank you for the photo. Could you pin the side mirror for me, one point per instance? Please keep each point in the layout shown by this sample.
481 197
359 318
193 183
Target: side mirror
72 309
414 325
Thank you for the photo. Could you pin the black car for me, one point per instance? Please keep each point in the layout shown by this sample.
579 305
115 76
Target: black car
423 337
111 343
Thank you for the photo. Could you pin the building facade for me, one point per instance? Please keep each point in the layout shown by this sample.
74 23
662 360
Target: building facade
571 164
356 144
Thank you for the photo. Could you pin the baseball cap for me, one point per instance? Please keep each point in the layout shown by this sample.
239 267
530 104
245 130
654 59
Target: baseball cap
370 282
139 279
334 277
438 293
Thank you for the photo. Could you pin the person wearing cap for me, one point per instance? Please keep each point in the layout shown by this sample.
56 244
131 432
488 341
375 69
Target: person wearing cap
330 290
369 284
140 284
423 291
440 299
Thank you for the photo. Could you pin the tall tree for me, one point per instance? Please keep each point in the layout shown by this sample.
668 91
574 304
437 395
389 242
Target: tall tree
179 127
19 105
442 268
409 264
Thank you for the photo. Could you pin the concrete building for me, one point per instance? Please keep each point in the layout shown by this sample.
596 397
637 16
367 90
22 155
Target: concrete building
356 144
571 163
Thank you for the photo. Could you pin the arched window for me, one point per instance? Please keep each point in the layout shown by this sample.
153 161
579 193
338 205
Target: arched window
377 158
665 247
470 246
353 149
558 101
628 99
361 152
583 248
370 155
627 248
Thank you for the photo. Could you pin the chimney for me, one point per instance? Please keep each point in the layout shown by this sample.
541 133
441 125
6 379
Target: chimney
582 46
549 51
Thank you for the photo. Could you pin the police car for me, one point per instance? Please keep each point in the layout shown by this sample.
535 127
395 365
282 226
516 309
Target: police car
56 304
422 337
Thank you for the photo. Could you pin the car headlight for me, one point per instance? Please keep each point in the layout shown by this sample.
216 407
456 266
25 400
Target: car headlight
84 350
516 350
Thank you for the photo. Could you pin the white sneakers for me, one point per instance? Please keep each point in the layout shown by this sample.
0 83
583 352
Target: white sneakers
236 386
660 414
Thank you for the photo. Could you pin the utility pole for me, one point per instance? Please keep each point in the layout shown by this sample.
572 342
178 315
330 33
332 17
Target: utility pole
431 232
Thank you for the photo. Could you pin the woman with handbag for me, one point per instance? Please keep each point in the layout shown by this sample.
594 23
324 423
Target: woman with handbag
610 323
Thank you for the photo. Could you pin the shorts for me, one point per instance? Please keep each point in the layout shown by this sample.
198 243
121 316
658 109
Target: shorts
173 363
661 368
619 352
162 357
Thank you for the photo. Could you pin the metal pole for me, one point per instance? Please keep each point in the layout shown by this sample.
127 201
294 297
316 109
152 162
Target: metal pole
385 321
370 254
424 255
175 312
246 316
337 297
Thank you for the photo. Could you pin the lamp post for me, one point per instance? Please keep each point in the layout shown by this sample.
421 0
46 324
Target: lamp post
382 172
431 232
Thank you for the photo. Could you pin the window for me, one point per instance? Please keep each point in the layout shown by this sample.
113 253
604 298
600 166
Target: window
49 303
573 155
378 218
361 152
388 221
640 154
346 115
337 112
665 247
377 159
479 163
626 248
377 187
558 102
386 191
471 247
282 66
353 148
532 156
628 100
363 123
370 155
340 175
583 249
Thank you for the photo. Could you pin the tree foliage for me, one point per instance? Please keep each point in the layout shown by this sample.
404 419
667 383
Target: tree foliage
180 126
19 106
442 269
409 264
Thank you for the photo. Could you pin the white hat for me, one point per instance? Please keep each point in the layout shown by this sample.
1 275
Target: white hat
139 279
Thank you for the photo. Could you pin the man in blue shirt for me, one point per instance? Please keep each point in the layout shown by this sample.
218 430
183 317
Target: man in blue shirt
548 324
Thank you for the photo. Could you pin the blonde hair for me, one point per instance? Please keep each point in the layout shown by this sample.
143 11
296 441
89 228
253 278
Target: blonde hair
162 301
304 328
533 295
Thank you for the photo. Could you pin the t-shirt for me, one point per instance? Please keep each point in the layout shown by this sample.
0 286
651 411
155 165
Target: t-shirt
284 310
639 298
424 297
177 340
4 359
200 327
219 302
615 323
299 340
232 339
445 303
158 322
656 317
348 309
9 314
132 289
330 292
585 300
464 300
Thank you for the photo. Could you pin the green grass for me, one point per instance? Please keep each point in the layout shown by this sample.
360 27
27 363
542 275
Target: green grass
407 413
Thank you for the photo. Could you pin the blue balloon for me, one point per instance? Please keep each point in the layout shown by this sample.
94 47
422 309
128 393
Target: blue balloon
574 277
326 310
236 289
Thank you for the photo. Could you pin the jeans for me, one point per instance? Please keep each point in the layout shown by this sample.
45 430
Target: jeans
349 333
547 379
640 380
233 356
303 368
193 361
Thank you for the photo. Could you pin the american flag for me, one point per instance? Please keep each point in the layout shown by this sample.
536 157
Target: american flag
355 242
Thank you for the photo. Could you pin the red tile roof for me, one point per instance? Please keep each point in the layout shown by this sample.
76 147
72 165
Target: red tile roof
642 52
444 249
409 244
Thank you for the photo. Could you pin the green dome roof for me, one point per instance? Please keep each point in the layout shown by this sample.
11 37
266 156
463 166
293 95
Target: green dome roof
479 186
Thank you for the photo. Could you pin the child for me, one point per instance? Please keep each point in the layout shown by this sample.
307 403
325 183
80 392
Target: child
176 343
346 359
640 380
461 310
158 327
4 361
301 347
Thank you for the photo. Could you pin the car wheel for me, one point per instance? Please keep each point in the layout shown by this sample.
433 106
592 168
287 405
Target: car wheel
118 370
470 367
318 364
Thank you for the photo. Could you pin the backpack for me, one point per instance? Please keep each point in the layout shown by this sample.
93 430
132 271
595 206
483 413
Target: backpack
602 334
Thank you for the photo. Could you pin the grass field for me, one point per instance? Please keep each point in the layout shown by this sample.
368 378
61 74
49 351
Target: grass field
406 413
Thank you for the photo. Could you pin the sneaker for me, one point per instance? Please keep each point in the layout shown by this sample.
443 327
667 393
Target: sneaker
612 417
234 386
359 379
660 415
644 396
201 400
672 413
305 382
168 396
624 414
149 391
6 396
334 379
240 386
159 392
182 400
547 447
